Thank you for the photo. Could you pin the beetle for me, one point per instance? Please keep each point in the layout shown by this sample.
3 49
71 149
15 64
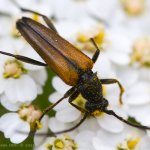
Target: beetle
71 65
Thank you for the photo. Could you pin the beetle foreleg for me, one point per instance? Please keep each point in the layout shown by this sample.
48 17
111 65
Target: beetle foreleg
67 94
112 81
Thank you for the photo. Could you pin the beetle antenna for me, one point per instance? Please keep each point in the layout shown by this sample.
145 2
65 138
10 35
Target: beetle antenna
98 19
111 112
24 59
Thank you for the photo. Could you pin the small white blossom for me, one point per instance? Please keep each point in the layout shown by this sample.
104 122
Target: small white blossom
17 125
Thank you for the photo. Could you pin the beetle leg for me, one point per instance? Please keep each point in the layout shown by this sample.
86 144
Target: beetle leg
24 59
97 53
72 98
112 81
76 126
49 108
45 18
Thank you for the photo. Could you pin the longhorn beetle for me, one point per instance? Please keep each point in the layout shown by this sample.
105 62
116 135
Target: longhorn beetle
70 64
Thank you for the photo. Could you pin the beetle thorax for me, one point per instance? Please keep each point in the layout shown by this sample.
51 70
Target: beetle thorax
90 87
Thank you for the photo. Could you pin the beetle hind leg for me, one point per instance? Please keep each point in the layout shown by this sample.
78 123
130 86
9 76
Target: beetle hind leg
49 108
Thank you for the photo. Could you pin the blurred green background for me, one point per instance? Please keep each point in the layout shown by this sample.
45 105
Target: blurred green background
42 102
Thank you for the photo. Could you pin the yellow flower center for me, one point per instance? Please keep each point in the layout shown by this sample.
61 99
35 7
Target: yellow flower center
129 144
35 17
133 143
133 7
14 69
59 144
141 52
30 114
83 38
97 113
63 142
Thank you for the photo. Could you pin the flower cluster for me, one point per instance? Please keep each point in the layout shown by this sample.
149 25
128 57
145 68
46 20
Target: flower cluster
121 30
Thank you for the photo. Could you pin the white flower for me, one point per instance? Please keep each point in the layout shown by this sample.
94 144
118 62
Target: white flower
136 90
12 9
12 14
129 139
44 6
11 122
17 125
133 14
64 142
18 80
137 94
75 9
84 140
103 9
80 141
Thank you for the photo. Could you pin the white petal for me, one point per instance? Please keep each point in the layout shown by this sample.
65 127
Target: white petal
98 145
22 132
11 125
38 140
54 97
68 115
141 113
7 119
84 140
144 144
89 124
28 51
2 84
103 67
22 89
57 126
66 28
10 9
111 124
40 76
112 94
119 58
107 8
128 75
59 85
9 105
138 94
84 136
